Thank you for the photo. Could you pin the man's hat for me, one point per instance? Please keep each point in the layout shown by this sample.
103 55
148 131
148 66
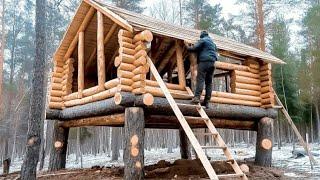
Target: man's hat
204 34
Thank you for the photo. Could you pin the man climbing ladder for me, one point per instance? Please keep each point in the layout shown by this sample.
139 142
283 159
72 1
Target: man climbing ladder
206 51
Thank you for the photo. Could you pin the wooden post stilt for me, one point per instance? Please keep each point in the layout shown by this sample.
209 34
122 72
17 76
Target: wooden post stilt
184 145
81 65
264 142
194 70
59 152
180 65
133 155
100 52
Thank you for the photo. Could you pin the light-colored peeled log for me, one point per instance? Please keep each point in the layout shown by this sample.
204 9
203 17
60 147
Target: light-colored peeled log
129 59
246 86
234 101
255 71
140 47
267 106
175 93
267 101
246 92
246 80
247 74
112 83
56 105
145 35
124 88
265 78
123 39
266 89
56 93
81 64
58 69
123 50
126 67
169 85
266 67
117 61
139 91
252 63
127 45
72 96
100 52
139 77
56 86
96 97
127 82
236 96
266 83
58 63
266 95
180 65
55 99
57 75
57 80
148 99
138 84
125 33
91 91
125 74
141 61
265 73
141 53
141 70
229 66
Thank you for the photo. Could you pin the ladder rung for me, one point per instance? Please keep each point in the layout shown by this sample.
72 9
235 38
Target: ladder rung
189 105
214 147
206 134
230 161
196 118
230 176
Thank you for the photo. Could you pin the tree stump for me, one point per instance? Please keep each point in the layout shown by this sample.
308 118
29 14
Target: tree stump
264 142
184 145
59 152
133 155
6 166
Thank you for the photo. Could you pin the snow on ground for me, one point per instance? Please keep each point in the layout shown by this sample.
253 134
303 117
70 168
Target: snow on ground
298 168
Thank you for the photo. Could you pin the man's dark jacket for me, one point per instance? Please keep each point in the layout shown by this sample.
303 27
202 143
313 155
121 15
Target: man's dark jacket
205 48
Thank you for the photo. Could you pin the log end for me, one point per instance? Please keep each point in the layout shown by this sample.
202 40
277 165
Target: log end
148 99
266 144
117 98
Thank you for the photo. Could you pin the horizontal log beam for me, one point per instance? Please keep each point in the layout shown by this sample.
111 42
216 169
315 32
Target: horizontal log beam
160 107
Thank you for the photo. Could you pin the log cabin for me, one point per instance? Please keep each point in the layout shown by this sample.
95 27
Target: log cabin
118 68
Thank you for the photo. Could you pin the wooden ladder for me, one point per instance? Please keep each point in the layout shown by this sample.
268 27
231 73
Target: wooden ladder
195 143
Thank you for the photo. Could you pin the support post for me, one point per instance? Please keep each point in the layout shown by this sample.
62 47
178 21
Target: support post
184 145
194 70
180 64
133 155
59 152
81 65
100 53
264 142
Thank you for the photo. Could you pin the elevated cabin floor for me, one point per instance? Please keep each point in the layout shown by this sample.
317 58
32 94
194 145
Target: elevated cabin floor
159 115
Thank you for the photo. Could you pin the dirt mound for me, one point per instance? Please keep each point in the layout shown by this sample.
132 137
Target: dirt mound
180 169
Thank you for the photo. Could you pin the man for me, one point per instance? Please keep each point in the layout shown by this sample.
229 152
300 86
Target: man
206 50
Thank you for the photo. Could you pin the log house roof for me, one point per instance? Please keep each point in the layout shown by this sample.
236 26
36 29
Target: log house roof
136 22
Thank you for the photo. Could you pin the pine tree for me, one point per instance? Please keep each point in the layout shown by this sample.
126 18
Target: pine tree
36 118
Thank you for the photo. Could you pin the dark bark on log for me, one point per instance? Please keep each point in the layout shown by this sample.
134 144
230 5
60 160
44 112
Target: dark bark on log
115 144
171 122
263 146
133 155
37 110
59 148
6 166
161 107
184 145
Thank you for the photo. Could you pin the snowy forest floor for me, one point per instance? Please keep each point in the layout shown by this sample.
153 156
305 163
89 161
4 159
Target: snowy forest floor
285 165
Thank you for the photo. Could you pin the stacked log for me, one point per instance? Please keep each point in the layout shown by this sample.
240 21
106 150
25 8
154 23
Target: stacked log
140 41
61 83
267 93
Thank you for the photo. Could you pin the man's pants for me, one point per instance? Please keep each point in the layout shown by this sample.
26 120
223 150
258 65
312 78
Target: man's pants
205 76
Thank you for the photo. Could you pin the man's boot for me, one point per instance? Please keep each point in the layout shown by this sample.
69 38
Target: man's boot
206 103
195 100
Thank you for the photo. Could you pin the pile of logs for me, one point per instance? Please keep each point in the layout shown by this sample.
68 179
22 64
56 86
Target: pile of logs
267 93
61 83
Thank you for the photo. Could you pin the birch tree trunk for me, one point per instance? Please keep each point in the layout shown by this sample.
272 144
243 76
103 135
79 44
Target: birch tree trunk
29 166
